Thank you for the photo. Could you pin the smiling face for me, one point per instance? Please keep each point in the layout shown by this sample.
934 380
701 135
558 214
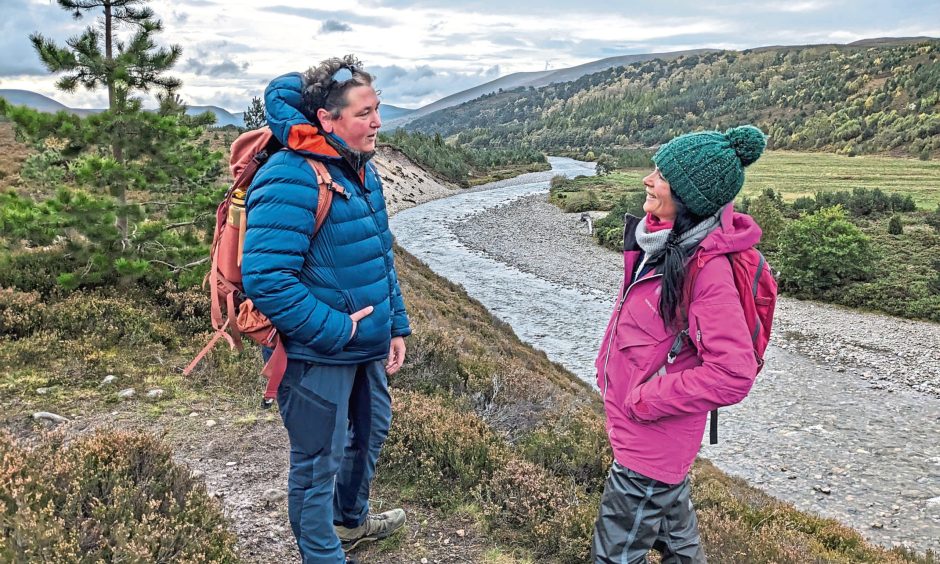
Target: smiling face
359 122
659 197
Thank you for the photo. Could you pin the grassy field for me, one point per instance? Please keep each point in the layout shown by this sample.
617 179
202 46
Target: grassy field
803 174
793 175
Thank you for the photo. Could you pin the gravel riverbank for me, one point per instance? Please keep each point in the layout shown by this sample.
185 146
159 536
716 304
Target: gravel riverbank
890 352
845 417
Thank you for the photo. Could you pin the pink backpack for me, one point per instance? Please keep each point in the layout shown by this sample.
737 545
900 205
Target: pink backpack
233 314
757 288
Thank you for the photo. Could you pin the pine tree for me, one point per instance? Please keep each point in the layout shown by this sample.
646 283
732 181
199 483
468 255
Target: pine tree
122 67
254 115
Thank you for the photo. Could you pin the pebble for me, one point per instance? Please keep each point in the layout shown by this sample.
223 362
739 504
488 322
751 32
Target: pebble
273 496
108 380
127 393
42 391
211 423
48 416
155 393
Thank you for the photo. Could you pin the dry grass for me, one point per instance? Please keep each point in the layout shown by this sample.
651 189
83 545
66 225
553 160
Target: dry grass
12 155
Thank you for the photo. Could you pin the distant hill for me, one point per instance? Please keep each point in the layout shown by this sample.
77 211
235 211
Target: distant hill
534 79
874 96
33 100
390 112
222 116
45 104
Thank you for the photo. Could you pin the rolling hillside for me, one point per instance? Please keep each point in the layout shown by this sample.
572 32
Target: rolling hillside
876 96
535 79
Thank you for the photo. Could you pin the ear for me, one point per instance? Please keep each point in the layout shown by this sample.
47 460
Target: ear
326 120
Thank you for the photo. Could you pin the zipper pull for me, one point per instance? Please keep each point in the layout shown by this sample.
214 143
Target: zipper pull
676 347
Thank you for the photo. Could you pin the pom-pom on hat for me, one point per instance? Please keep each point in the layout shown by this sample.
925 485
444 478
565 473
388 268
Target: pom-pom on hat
706 169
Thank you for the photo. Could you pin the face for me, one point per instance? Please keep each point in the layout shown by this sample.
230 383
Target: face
359 122
658 197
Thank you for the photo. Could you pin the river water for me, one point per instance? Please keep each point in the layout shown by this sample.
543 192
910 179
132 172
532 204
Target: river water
820 438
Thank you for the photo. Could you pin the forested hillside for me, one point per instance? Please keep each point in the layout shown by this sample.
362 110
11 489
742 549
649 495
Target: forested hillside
849 99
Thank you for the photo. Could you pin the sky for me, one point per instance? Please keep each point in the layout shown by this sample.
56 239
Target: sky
423 50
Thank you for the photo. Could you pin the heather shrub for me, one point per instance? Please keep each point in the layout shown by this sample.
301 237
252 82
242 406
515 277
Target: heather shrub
21 313
34 270
524 504
107 497
439 450
741 524
110 320
572 445
187 307
432 367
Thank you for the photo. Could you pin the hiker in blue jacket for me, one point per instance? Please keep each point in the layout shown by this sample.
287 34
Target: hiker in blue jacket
334 298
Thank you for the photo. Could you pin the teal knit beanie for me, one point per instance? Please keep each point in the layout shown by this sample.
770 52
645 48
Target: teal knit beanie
706 169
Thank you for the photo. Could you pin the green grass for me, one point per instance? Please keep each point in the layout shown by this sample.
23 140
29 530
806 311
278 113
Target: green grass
796 174
793 174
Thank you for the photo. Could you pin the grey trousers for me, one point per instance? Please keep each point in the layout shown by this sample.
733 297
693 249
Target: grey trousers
638 514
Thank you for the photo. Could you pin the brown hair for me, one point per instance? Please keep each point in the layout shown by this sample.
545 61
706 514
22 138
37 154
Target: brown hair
323 90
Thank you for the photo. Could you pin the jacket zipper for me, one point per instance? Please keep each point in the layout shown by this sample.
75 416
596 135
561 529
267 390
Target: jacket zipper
613 331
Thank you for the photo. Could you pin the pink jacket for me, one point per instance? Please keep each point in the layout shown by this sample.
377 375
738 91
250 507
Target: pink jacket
656 411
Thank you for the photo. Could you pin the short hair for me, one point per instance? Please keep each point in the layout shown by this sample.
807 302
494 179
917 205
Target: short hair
323 90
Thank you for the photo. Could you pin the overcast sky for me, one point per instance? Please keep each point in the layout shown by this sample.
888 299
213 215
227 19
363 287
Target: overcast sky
424 50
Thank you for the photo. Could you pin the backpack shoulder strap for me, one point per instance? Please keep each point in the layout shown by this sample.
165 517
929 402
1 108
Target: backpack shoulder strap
325 191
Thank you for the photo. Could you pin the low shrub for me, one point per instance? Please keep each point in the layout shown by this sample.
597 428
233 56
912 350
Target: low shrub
525 505
440 451
21 313
110 320
823 252
107 497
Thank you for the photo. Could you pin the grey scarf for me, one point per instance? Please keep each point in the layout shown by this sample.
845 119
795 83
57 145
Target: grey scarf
653 244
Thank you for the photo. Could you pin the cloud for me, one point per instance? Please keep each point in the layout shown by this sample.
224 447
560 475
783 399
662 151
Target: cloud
327 15
225 68
334 26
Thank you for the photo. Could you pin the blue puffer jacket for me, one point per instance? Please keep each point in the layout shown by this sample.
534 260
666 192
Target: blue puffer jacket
308 287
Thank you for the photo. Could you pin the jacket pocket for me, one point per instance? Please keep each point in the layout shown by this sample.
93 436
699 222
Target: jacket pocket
309 420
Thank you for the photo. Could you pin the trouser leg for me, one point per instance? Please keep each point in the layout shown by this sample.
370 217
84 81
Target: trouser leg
629 518
679 540
370 415
313 401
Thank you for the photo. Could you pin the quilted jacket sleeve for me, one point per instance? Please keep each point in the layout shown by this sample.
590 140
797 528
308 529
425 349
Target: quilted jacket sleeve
728 365
281 215
400 325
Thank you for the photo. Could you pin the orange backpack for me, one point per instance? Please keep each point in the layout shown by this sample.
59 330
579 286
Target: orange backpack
233 314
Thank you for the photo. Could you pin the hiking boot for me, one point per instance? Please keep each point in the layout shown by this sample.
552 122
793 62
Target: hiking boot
351 560
375 527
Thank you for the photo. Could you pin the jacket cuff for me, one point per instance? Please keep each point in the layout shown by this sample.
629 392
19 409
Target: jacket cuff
637 409
403 332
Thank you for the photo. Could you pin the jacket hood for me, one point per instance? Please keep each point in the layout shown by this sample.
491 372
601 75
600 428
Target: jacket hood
283 99
736 232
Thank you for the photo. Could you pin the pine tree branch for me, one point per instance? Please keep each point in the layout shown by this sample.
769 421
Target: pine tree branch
178 268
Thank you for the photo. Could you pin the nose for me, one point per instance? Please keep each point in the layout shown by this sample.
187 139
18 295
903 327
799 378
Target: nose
648 180
377 122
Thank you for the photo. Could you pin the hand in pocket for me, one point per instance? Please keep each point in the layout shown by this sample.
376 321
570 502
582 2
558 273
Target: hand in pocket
356 317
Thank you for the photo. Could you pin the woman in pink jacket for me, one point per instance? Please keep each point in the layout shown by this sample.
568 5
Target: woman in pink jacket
656 394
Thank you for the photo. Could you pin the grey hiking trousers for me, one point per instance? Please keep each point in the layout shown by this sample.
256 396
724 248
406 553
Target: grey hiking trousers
639 513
